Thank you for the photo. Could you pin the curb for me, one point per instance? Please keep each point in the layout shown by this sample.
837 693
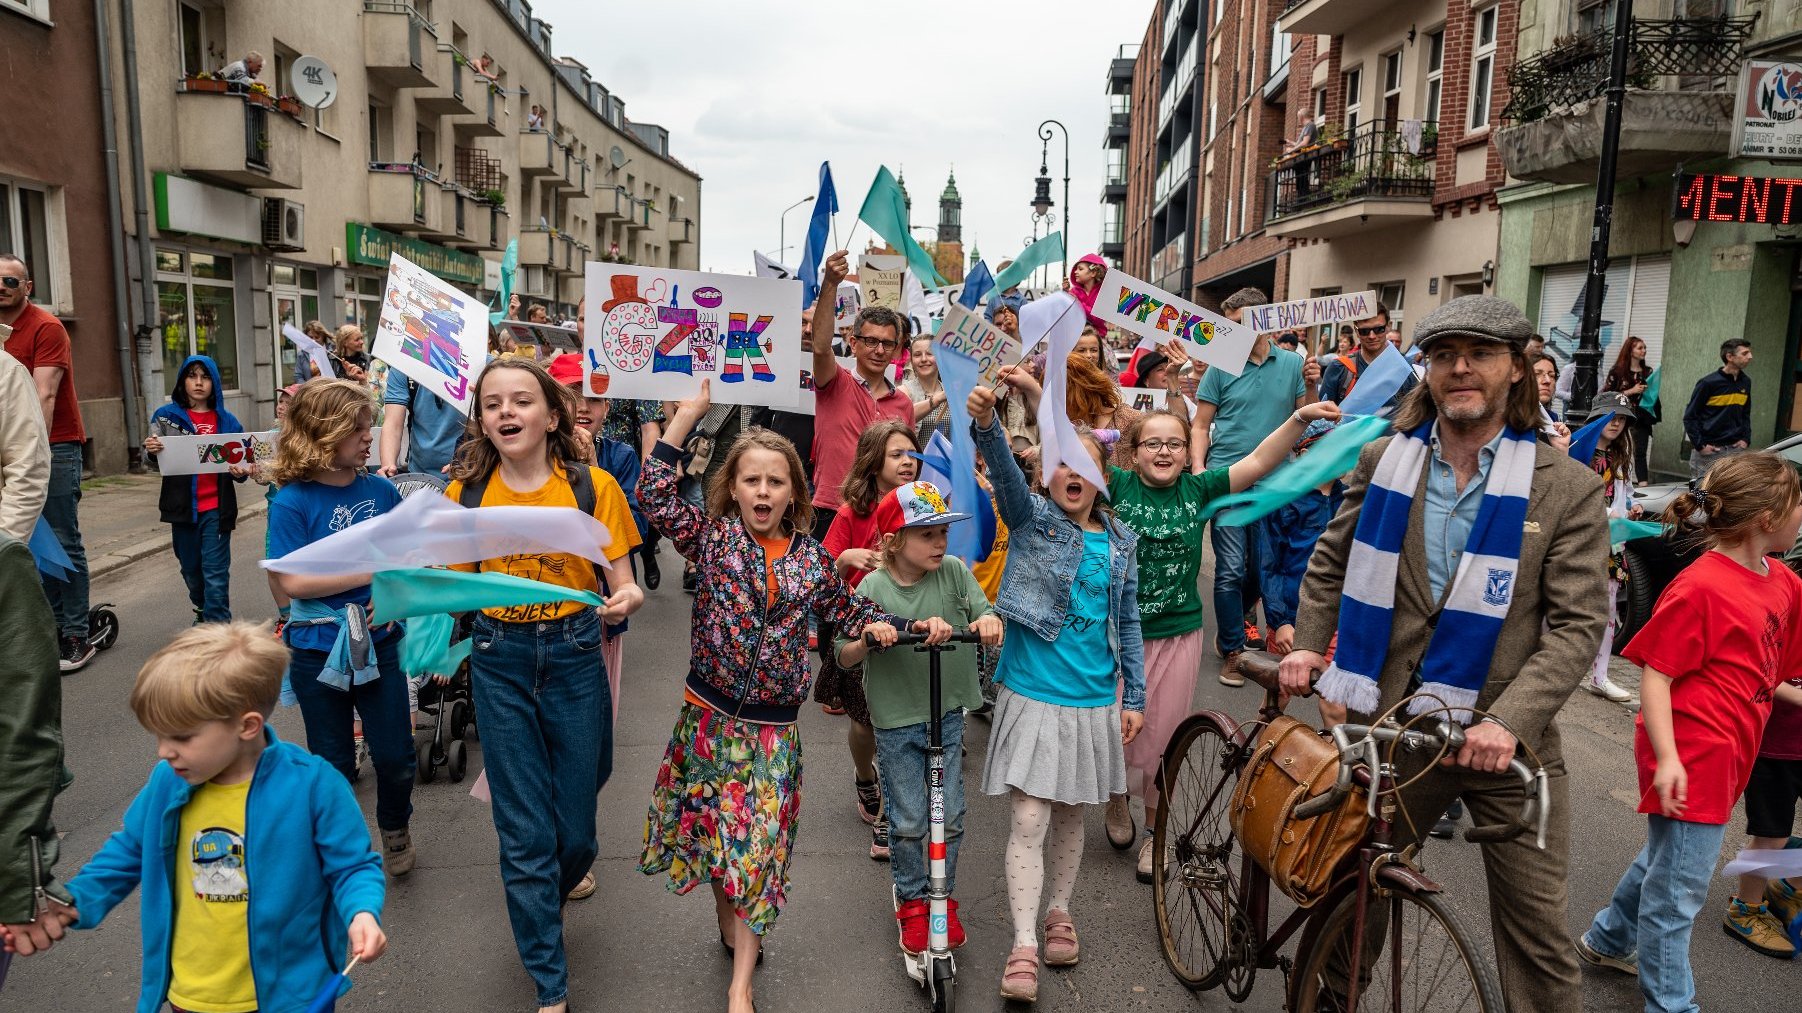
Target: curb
112 562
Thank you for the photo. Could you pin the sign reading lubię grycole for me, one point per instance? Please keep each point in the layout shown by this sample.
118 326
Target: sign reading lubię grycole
1151 312
1326 309
1762 200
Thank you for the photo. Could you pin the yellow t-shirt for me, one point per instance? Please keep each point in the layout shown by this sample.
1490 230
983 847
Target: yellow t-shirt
988 572
561 569
210 959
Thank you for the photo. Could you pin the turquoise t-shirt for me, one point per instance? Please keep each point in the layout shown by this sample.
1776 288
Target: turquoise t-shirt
1077 669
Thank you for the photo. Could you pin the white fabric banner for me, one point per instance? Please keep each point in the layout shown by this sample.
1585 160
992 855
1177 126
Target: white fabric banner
1058 320
322 359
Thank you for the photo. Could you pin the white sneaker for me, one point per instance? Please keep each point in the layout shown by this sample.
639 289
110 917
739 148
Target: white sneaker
1608 691
1145 870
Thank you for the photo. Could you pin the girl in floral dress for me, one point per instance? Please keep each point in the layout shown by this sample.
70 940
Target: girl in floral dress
728 793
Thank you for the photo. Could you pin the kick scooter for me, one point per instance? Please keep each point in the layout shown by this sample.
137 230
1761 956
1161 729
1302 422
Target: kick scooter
935 970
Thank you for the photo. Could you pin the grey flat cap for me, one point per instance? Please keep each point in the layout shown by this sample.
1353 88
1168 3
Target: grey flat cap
1478 316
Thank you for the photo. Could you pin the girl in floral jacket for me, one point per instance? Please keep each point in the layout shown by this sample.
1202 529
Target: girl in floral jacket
724 807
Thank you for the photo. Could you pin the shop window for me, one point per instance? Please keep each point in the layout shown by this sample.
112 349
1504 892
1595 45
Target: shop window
197 311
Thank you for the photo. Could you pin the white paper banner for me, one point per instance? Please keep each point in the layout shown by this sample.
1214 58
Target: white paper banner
966 331
1326 309
216 453
1144 399
805 405
1059 318
656 333
322 359
1147 310
767 268
881 278
433 333
1772 863
429 530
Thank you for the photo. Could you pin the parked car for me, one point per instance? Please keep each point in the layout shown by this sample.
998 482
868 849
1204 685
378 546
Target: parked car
1652 563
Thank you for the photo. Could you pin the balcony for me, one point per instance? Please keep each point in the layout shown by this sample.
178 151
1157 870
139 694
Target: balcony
1119 130
1322 17
236 138
1373 179
486 103
638 214
457 91
1113 240
1113 185
1174 172
500 226
538 155
1678 107
545 249
465 220
681 230
610 203
1120 70
404 198
1169 266
398 44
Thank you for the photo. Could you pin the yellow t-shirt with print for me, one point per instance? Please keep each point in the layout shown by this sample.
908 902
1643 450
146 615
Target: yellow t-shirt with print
210 958
561 569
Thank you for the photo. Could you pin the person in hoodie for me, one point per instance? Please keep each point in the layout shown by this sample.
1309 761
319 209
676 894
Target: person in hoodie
1085 284
201 510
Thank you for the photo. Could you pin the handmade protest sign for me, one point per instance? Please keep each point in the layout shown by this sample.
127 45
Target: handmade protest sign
965 331
215 453
655 333
768 268
1153 313
433 333
805 404
880 277
1326 309
322 359
545 341
850 301
1145 399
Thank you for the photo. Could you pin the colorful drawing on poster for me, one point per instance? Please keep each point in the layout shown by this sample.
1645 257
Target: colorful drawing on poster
1149 311
964 330
850 302
431 332
217 453
659 332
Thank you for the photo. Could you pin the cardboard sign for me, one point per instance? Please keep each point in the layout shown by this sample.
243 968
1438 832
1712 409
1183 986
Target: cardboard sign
1145 399
543 342
804 405
1326 309
1149 311
215 454
964 330
433 333
881 278
655 333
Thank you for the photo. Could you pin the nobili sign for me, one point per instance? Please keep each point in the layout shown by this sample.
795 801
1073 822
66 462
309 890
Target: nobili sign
1714 197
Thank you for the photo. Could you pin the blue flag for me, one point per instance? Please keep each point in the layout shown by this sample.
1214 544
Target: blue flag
977 284
814 253
935 467
52 561
1583 441
961 375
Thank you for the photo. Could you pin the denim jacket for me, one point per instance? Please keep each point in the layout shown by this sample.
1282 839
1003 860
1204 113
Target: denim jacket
1044 549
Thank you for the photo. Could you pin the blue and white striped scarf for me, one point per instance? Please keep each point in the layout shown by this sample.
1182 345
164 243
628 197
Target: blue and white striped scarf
1458 656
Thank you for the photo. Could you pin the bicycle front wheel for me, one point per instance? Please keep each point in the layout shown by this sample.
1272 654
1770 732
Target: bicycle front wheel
1194 883
1416 958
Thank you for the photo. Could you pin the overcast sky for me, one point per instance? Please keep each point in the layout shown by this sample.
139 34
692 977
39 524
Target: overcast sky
756 95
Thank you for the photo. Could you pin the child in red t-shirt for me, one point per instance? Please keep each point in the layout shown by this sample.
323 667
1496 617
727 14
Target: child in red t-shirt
201 510
1720 647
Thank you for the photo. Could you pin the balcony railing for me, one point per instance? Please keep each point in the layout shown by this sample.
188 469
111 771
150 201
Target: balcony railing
1577 69
1376 161
1170 260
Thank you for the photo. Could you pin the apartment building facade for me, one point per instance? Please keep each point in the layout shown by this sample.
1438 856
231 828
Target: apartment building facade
455 128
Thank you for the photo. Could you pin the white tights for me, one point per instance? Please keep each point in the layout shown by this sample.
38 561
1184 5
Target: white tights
1026 860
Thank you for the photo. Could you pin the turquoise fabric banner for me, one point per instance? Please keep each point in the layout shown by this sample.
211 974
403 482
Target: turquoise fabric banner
1335 455
1649 397
1035 256
1621 530
404 594
885 210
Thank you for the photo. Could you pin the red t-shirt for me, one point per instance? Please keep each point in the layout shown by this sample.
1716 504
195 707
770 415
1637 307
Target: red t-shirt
843 409
38 339
849 531
206 487
1726 636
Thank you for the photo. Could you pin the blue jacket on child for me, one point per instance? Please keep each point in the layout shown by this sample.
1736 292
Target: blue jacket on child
1044 550
176 503
1285 542
307 854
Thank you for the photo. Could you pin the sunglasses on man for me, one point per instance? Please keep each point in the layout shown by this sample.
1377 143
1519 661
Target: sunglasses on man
7 281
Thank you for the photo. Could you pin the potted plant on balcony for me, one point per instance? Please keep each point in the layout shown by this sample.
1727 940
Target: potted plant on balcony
1346 185
204 82
292 106
494 198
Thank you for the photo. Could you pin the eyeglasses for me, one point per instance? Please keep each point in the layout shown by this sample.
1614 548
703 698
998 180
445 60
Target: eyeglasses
880 344
11 282
1373 329
1480 357
1157 446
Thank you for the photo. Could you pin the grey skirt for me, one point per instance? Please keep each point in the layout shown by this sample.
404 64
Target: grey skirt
1063 754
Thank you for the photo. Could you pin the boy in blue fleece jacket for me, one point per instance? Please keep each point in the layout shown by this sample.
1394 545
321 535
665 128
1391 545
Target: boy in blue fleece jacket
251 857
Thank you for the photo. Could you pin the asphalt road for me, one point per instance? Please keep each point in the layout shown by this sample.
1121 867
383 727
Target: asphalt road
636 947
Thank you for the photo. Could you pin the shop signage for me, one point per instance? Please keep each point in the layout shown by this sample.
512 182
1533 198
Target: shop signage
1767 114
371 246
1715 197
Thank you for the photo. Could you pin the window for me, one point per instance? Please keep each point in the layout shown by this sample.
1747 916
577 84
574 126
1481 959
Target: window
1392 89
197 310
363 302
1435 72
1354 88
381 133
1281 48
25 232
1390 294
35 8
1319 106
1482 68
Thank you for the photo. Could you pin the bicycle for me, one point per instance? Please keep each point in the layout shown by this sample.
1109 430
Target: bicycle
1213 919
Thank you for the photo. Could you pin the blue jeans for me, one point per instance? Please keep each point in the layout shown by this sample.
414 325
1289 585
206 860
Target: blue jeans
68 599
1235 583
387 726
205 554
1654 910
547 744
901 764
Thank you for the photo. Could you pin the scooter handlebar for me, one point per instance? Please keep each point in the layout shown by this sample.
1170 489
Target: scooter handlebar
907 639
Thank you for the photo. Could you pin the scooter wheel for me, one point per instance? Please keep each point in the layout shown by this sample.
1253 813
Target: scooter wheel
423 755
103 627
458 759
944 978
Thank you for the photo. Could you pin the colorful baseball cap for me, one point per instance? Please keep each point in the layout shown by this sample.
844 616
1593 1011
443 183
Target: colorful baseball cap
914 505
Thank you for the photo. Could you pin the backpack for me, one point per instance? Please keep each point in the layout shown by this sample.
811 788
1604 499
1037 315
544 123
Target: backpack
580 482
1351 363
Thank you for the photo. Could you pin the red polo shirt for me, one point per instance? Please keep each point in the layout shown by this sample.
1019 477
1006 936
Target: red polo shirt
38 339
843 409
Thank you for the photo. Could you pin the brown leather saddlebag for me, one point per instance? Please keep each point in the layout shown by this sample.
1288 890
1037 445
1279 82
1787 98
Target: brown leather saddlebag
1290 764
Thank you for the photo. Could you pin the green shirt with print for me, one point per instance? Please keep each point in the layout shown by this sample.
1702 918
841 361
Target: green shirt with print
1170 529
895 680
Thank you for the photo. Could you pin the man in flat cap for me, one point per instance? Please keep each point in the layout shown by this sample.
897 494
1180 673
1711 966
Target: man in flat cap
1468 563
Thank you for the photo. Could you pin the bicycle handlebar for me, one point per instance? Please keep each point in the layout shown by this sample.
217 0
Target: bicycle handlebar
1358 745
905 639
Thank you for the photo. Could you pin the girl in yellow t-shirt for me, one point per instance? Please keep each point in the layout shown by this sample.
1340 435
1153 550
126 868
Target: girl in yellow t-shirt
541 688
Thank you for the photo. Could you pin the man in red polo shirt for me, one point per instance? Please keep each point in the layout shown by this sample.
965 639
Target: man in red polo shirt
39 341
846 404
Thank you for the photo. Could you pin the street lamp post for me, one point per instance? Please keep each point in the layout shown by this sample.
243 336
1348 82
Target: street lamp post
782 233
1043 190
1588 356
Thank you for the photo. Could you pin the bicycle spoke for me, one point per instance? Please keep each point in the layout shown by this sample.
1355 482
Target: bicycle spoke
1414 959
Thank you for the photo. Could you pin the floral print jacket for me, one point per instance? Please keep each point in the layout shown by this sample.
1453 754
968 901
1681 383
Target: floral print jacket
748 660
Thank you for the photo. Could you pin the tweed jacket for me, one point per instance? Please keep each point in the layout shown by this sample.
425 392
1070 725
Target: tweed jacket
1555 622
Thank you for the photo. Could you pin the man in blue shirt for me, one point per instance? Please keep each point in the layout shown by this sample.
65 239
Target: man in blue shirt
431 423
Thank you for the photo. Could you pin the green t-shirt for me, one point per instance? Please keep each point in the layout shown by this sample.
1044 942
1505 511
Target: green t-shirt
1170 531
895 680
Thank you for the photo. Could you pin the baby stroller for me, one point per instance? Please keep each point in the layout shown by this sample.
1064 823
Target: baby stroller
444 744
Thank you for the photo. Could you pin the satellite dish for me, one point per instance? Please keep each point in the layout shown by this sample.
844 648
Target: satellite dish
617 156
313 82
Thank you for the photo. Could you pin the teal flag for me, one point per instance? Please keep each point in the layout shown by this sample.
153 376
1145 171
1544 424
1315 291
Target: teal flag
1648 398
1621 530
404 594
1035 256
509 263
1332 457
427 648
885 211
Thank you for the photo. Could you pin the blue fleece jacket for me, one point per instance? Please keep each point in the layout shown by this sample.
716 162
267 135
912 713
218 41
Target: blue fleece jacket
307 855
173 418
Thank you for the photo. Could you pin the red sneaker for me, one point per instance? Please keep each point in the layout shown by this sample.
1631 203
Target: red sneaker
912 917
956 928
